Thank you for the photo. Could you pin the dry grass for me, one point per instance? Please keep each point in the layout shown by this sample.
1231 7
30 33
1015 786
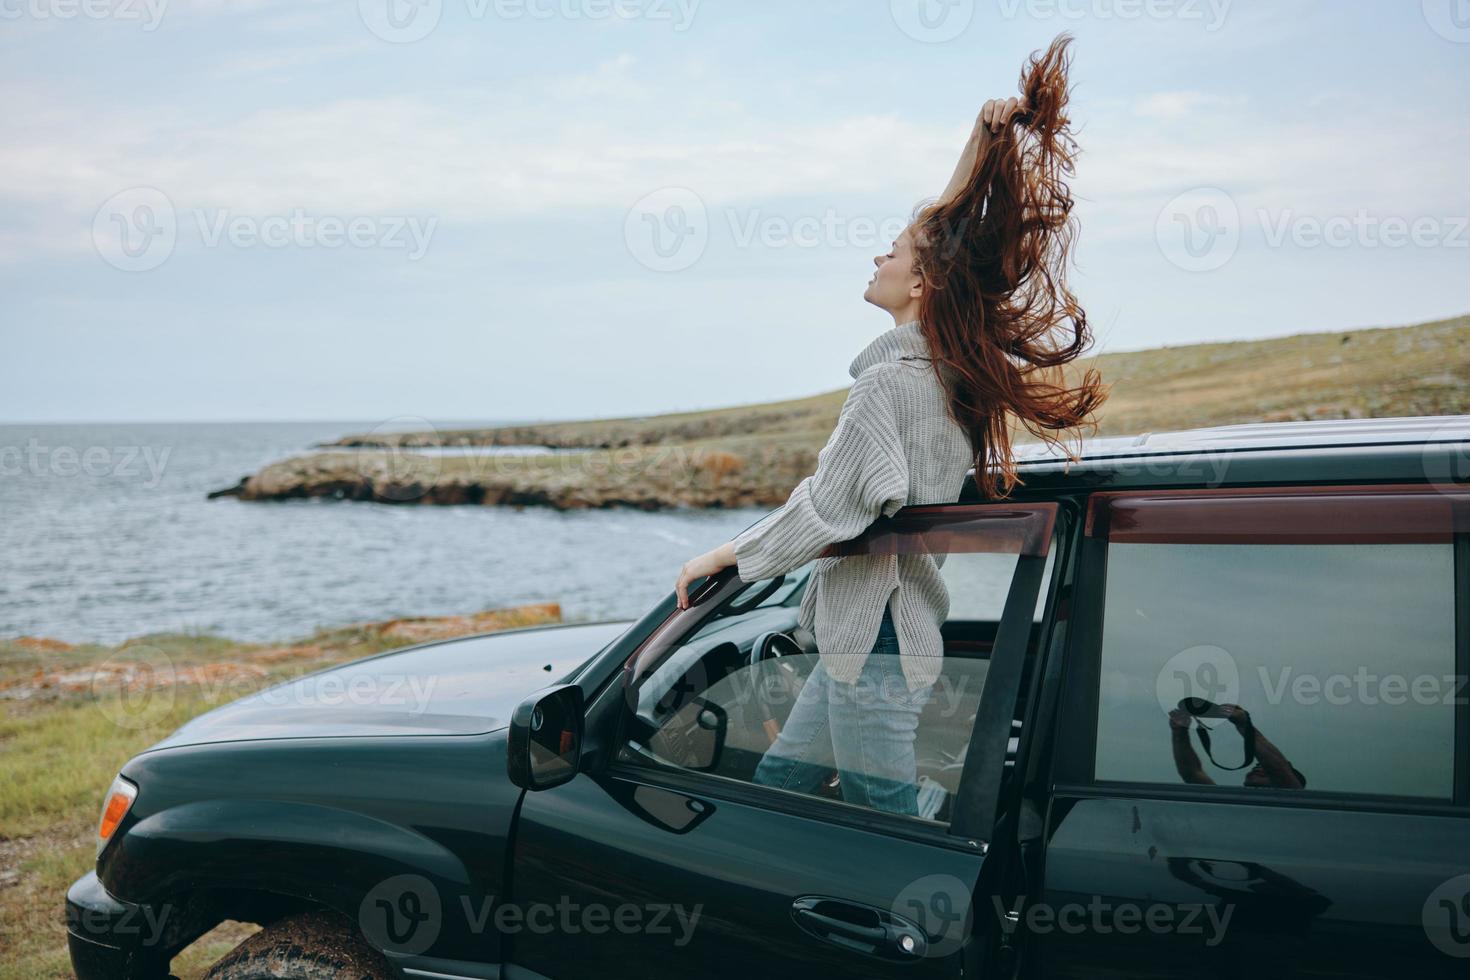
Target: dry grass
66 730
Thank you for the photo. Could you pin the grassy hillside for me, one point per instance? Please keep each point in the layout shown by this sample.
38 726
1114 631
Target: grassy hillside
753 455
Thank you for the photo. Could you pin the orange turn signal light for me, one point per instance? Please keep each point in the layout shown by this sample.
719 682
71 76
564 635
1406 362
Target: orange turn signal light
120 797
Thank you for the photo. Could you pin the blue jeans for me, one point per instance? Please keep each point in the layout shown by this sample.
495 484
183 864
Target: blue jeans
865 730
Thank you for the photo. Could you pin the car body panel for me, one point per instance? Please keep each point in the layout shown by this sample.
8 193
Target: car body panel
734 868
463 686
1250 889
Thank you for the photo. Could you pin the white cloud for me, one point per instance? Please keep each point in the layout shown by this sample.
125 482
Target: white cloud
271 61
604 138
1178 105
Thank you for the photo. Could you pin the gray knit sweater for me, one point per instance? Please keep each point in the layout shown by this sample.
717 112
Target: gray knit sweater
894 445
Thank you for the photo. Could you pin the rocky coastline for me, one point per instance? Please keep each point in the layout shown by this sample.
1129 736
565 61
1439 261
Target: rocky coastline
752 456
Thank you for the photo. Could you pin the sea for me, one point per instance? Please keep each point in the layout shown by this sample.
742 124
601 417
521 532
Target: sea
106 534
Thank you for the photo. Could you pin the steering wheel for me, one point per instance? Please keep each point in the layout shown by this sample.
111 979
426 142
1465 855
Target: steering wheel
774 644
771 645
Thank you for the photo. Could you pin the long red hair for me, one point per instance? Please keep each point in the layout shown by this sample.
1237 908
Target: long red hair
996 311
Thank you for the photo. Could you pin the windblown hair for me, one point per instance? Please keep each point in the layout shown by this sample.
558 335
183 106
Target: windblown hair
997 314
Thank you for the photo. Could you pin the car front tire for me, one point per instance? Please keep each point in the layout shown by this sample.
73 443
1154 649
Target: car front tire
309 946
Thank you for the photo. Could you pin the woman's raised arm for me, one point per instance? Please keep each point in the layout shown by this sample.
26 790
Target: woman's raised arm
994 116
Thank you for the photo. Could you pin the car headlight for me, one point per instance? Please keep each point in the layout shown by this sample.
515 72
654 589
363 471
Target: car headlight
115 806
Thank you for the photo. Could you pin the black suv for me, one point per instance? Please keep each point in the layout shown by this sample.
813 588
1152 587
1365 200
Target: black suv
1202 712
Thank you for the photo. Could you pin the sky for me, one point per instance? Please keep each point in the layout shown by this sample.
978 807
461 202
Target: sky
548 209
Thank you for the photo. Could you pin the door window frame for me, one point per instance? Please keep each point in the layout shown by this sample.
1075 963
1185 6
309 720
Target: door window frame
1033 529
1433 514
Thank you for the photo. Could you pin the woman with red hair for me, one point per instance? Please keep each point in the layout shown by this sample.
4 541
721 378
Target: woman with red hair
983 317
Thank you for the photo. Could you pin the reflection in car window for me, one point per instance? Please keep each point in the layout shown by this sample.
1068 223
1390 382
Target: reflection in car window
978 584
1286 666
725 702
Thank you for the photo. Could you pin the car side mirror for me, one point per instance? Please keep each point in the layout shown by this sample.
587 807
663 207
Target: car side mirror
545 741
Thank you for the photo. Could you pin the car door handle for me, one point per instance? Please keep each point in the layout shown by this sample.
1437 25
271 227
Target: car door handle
862 928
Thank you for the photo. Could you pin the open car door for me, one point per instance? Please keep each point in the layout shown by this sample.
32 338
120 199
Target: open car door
661 856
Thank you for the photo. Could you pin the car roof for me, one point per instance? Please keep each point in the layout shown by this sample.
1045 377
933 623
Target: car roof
1411 449
1415 430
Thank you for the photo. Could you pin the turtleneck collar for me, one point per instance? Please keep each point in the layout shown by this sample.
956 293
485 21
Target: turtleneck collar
903 340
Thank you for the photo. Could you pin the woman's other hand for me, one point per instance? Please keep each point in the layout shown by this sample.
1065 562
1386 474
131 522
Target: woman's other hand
706 564
996 114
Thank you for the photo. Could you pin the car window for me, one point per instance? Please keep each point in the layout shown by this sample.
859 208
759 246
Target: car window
1279 655
867 733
